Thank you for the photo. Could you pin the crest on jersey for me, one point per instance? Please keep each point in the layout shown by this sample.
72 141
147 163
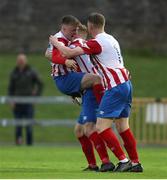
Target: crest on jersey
85 45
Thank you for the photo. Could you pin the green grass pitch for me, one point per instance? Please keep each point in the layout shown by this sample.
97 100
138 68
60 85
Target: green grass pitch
68 162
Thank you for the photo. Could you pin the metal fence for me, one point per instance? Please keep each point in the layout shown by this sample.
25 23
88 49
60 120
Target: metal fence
148 118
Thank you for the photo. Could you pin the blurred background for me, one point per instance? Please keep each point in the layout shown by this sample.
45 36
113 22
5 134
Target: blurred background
139 26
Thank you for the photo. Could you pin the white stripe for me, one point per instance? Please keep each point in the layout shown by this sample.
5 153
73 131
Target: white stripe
100 71
102 79
119 73
80 64
112 80
101 74
61 69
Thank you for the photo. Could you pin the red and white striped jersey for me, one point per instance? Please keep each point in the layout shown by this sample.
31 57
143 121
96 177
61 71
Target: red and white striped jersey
106 57
59 69
84 61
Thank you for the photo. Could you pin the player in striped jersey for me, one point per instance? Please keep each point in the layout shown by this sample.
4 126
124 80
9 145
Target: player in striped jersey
62 66
87 120
116 102
70 83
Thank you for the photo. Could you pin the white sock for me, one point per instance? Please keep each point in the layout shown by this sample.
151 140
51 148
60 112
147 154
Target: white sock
124 160
134 164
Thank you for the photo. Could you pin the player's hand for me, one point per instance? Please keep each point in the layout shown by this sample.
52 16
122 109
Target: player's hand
70 63
53 40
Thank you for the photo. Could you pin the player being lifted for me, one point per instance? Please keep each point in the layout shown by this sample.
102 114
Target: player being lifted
116 102
72 83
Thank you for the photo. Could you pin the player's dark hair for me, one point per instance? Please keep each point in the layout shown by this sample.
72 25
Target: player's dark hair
97 19
70 20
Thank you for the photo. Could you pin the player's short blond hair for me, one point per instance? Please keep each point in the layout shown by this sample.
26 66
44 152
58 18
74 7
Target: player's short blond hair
97 19
82 29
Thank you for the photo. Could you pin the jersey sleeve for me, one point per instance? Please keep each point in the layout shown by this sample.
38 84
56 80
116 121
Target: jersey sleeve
91 47
57 58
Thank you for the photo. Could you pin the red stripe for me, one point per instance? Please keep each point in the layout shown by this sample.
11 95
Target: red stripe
59 72
124 74
115 76
104 83
97 69
103 70
78 68
94 71
63 40
84 64
65 69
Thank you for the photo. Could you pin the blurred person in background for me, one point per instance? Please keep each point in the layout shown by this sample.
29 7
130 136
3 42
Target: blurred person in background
24 81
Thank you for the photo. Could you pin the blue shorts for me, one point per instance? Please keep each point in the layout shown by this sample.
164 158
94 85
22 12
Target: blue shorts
89 108
116 102
70 83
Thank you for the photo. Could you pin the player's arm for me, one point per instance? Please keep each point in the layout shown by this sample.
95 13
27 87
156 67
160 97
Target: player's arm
56 55
48 52
48 55
57 58
90 47
53 54
66 51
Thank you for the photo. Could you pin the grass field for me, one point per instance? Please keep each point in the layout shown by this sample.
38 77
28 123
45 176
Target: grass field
68 162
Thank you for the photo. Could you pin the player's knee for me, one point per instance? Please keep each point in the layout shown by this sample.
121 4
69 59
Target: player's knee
78 131
97 79
99 128
118 127
102 125
89 129
121 125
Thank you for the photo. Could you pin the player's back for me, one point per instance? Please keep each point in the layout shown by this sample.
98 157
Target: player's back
111 54
109 61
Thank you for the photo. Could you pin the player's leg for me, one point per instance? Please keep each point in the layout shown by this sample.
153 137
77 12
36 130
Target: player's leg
110 108
122 125
18 128
69 84
90 106
93 81
128 138
75 82
29 114
107 134
87 147
99 145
